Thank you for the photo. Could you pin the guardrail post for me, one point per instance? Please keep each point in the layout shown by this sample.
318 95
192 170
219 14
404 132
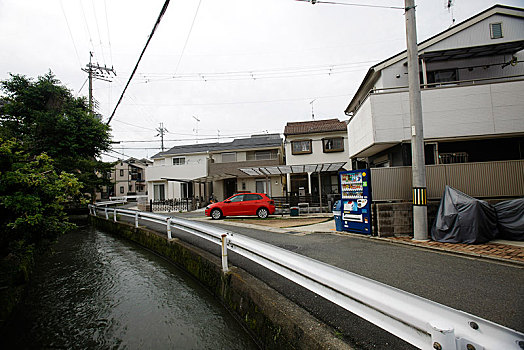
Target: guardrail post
168 228
136 219
107 216
225 268
442 336
114 215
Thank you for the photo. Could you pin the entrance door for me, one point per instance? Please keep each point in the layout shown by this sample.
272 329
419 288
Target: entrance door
230 187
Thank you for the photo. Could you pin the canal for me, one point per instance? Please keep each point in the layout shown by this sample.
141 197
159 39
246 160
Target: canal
99 291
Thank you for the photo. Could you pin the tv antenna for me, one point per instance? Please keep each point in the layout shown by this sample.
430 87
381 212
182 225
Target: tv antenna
196 129
312 113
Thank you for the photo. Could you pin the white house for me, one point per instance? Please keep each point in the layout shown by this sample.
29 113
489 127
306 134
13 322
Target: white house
472 82
172 172
213 169
312 144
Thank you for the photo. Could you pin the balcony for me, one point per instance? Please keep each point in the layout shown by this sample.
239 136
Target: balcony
456 110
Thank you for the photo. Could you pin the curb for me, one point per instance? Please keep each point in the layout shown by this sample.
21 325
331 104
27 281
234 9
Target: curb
453 252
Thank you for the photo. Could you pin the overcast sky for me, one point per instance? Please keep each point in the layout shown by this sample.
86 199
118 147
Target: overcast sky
240 67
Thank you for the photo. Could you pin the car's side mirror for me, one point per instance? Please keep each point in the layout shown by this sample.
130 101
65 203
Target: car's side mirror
227 201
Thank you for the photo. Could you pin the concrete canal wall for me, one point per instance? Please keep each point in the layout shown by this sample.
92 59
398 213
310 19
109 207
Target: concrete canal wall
273 320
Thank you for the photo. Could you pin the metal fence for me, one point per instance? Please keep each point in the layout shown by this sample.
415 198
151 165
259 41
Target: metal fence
421 322
171 205
480 180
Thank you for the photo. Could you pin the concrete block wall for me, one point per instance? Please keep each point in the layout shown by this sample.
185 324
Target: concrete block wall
396 219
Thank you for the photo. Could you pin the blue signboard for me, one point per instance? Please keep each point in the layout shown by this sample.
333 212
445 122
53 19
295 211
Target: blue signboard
355 191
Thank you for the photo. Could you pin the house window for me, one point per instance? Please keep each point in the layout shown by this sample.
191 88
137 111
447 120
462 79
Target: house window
260 186
450 158
229 157
159 192
301 147
121 172
495 30
179 161
121 189
266 155
441 76
335 144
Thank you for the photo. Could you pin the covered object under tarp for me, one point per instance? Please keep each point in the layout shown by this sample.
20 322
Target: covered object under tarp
464 219
510 219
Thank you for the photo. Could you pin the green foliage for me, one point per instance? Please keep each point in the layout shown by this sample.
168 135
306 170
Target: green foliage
45 117
32 198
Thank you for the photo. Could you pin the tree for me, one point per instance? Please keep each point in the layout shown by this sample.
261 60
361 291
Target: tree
32 198
45 117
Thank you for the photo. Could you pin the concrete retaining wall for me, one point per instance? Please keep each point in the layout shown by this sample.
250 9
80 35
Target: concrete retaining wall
273 320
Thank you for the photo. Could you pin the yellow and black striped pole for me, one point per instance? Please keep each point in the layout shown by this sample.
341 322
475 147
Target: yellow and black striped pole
420 196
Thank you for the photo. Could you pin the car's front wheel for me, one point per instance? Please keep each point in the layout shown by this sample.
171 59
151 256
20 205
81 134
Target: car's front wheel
262 213
216 214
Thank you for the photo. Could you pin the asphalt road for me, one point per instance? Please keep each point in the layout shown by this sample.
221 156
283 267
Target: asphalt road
487 289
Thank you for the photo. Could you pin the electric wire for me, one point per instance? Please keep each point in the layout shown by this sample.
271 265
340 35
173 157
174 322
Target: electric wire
87 26
162 12
108 36
71 34
98 30
352 4
187 38
79 90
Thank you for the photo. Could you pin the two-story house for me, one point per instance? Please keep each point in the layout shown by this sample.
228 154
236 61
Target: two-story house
472 89
311 144
172 173
227 160
213 169
128 178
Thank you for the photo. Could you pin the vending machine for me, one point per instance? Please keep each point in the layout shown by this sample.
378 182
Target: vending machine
355 191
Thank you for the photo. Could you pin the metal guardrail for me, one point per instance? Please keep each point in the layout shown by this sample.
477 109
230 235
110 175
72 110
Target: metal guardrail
126 198
420 322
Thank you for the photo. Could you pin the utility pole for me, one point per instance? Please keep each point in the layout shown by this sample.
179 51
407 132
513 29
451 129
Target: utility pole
98 72
161 131
418 166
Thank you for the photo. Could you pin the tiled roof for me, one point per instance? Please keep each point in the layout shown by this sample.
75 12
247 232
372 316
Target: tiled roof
315 126
255 141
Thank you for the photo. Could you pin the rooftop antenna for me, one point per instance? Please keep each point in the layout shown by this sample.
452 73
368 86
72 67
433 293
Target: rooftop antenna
449 6
196 129
218 135
312 113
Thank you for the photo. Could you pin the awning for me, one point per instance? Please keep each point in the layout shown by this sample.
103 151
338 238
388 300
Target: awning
508 48
292 169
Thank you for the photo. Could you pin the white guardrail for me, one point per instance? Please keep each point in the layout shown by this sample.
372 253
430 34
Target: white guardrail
420 322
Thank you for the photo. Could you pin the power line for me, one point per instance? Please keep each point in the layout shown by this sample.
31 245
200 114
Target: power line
238 102
162 12
108 36
187 38
351 4
70 34
87 26
98 30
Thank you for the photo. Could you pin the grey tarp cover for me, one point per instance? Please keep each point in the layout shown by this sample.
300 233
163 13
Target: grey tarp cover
510 219
464 219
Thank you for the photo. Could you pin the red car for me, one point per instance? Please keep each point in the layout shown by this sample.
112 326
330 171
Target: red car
257 204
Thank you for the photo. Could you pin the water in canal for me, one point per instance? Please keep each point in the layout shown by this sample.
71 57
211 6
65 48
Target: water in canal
98 291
